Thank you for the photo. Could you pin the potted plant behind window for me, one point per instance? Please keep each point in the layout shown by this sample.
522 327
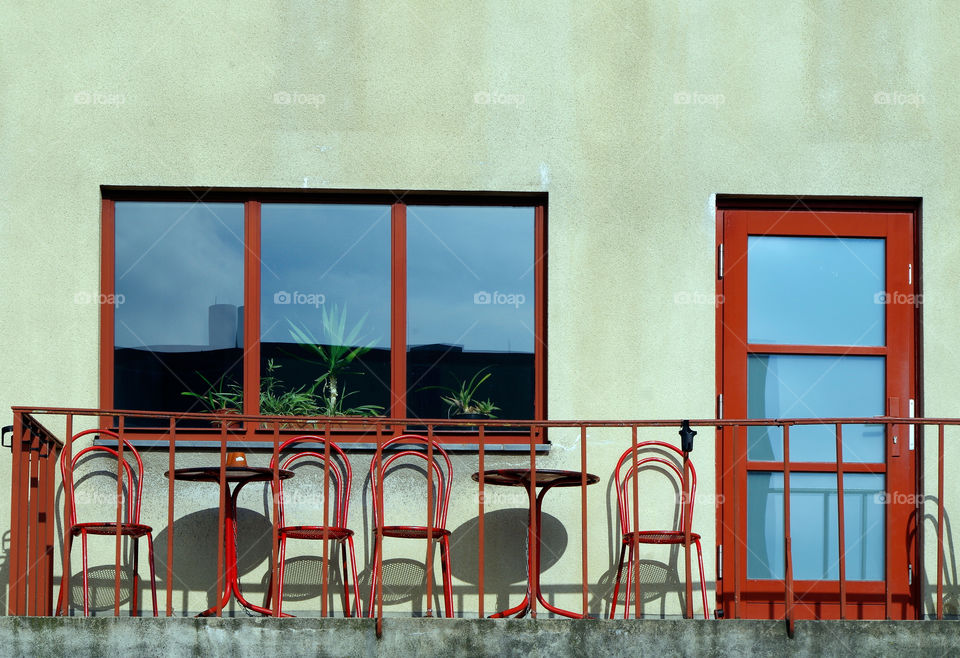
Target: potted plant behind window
220 399
337 359
462 401
274 401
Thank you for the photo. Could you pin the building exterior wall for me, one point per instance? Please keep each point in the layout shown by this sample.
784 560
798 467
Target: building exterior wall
632 117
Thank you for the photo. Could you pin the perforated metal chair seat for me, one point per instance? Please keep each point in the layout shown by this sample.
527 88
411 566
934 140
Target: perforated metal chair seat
314 532
126 529
413 532
658 537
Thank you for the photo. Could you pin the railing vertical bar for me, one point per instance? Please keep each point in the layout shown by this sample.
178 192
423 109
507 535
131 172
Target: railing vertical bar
274 532
221 521
19 520
638 606
324 579
481 448
533 562
378 561
841 524
787 548
940 521
119 537
33 545
171 467
430 511
67 516
49 512
686 508
583 516
737 542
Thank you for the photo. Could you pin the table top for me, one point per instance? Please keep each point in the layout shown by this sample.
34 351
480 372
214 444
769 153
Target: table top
520 477
234 474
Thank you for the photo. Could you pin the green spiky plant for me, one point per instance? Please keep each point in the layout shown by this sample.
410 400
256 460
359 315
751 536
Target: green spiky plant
219 396
338 358
461 400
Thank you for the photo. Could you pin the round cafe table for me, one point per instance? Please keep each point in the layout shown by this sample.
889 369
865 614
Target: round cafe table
241 476
546 479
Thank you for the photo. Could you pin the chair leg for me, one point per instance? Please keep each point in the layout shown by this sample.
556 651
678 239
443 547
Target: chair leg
616 584
356 583
86 579
153 574
377 547
63 606
633 572
281 569
447 576
703 584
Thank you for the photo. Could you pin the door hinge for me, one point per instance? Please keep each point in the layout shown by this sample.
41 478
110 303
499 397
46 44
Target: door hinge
720 261
720 406
910 574
910 274
911 428
719 561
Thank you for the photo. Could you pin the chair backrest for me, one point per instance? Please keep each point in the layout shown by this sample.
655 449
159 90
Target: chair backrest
132 483
627 471
413 445
340 473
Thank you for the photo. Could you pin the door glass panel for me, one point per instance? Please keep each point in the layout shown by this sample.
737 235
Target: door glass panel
815 291
813 525
470 309
179 304
815 386
325 309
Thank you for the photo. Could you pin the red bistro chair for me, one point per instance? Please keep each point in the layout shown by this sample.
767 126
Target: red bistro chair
412 445
625 473
341 478
130 526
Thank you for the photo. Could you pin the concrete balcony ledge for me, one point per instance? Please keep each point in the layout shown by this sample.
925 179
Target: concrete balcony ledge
43 636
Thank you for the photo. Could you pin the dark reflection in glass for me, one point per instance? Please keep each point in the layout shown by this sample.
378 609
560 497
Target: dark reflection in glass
179 312
470 309
815 386
325 309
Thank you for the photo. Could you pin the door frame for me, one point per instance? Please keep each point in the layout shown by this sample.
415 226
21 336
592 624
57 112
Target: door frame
911 205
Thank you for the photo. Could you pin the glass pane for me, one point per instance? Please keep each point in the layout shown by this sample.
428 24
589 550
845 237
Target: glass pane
815 291
325 309
470 309
815 386
813 526
179 284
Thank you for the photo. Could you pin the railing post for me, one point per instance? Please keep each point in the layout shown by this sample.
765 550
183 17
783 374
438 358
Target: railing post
787 548
480 521
171 467
940 521
842 525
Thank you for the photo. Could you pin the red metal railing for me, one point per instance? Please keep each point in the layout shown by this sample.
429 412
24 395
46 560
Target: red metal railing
35 450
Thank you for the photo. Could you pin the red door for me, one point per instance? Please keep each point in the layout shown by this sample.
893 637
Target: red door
817 321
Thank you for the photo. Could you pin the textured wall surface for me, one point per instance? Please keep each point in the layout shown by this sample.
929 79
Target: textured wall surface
632 116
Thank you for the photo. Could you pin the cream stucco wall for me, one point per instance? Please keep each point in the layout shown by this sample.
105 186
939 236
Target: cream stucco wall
783 99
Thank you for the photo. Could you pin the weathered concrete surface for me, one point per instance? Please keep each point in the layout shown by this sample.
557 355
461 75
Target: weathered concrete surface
35 636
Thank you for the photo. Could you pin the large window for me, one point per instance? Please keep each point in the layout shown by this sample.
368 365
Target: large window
303 304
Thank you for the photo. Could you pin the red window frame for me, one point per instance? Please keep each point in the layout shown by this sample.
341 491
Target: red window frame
398 201
898 222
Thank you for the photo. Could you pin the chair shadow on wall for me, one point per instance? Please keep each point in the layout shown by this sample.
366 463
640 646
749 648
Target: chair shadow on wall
951 584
